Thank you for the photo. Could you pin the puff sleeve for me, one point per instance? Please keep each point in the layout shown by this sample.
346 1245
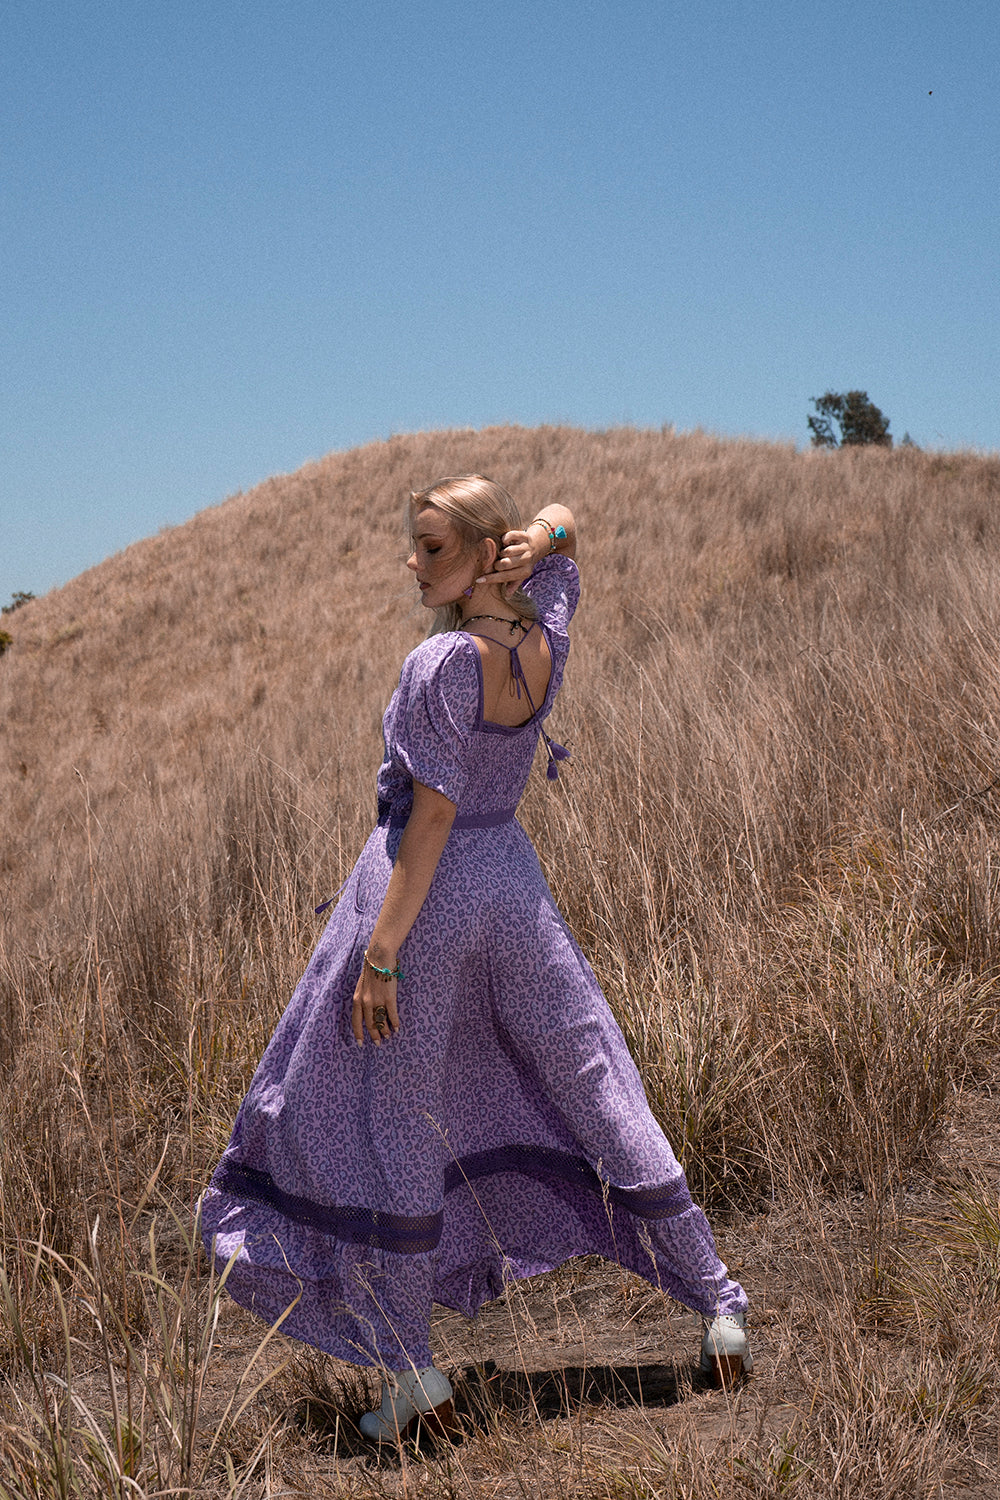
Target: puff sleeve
555 587
435 711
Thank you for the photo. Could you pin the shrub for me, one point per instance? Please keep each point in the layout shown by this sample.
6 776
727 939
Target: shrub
17 598
858 421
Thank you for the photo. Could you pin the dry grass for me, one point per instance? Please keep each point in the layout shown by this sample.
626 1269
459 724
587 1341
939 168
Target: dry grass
777 842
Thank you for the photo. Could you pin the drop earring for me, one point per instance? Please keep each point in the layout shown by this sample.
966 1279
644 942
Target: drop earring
468 592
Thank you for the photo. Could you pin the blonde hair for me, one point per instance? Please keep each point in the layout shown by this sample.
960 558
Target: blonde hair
478 508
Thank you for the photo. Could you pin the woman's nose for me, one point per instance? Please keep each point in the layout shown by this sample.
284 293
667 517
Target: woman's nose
411 561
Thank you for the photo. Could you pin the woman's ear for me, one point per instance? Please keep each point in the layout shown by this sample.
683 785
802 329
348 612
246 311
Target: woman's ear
490 554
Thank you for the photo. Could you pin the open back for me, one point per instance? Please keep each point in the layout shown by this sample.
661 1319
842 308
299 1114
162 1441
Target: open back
515 678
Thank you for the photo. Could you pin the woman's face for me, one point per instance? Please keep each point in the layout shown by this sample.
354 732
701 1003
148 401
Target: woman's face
442 566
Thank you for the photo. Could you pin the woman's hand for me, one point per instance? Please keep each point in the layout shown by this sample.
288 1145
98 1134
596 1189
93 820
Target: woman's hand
517 558
521 551
374 1008
420 849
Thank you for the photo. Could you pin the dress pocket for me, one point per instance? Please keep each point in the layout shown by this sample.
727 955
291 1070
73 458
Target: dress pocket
373 869
361 883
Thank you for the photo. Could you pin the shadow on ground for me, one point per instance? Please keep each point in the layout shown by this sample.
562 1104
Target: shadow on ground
484 1393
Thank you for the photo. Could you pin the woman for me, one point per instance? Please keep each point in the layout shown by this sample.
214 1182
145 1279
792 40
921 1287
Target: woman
447 1103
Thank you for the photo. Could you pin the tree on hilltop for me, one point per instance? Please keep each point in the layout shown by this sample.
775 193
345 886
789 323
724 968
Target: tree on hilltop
17 598
857 421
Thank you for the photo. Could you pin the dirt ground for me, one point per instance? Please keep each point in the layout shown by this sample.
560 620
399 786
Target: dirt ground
585 1381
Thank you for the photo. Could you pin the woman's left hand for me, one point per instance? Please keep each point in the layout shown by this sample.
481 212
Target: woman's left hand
515 562
420 849
374 1008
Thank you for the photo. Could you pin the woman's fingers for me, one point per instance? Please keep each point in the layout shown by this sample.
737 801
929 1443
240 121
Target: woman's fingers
388 1006
374 1010
358 1017
383 1021
516 558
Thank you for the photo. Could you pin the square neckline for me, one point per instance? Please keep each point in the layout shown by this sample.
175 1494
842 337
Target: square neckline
492 726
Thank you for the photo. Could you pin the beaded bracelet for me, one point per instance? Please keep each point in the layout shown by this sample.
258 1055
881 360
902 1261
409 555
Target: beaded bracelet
384 974
557 534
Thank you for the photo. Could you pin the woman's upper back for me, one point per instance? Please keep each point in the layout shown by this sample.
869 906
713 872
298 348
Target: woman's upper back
515 675
453 723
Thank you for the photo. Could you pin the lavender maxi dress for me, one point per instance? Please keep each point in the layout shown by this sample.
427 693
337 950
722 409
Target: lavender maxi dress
505 1128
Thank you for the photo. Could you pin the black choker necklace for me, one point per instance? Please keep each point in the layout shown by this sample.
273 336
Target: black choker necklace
515 625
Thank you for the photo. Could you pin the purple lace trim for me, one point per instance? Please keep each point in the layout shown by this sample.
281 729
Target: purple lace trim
662 1202
360 1226
417 1236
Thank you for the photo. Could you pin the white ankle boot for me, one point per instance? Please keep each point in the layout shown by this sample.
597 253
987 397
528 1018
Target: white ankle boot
411 1398
725 1353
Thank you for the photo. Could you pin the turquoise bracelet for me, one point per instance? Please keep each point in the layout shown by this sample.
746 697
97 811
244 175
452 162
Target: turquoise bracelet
557 534
384 974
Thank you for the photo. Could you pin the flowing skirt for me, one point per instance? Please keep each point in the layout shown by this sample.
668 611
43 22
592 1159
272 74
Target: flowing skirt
503 1130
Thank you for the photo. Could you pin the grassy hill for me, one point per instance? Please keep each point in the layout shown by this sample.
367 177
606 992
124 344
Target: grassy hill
777 841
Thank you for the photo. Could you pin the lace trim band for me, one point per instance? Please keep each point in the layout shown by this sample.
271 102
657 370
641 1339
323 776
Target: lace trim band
419 1235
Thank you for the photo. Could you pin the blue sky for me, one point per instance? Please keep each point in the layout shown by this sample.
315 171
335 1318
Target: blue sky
234 237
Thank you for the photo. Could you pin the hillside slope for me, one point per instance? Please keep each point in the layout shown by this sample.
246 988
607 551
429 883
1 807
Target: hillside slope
777 840
277 620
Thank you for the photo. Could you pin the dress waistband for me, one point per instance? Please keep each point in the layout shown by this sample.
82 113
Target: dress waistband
493 819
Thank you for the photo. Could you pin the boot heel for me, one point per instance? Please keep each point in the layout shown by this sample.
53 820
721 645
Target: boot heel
439 1422
725 1353
727 1371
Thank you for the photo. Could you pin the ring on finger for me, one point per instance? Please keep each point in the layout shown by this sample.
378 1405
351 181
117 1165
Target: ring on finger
380 1018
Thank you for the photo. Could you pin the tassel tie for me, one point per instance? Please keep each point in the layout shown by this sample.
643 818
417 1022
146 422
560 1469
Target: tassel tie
555 753
319 910
517 673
